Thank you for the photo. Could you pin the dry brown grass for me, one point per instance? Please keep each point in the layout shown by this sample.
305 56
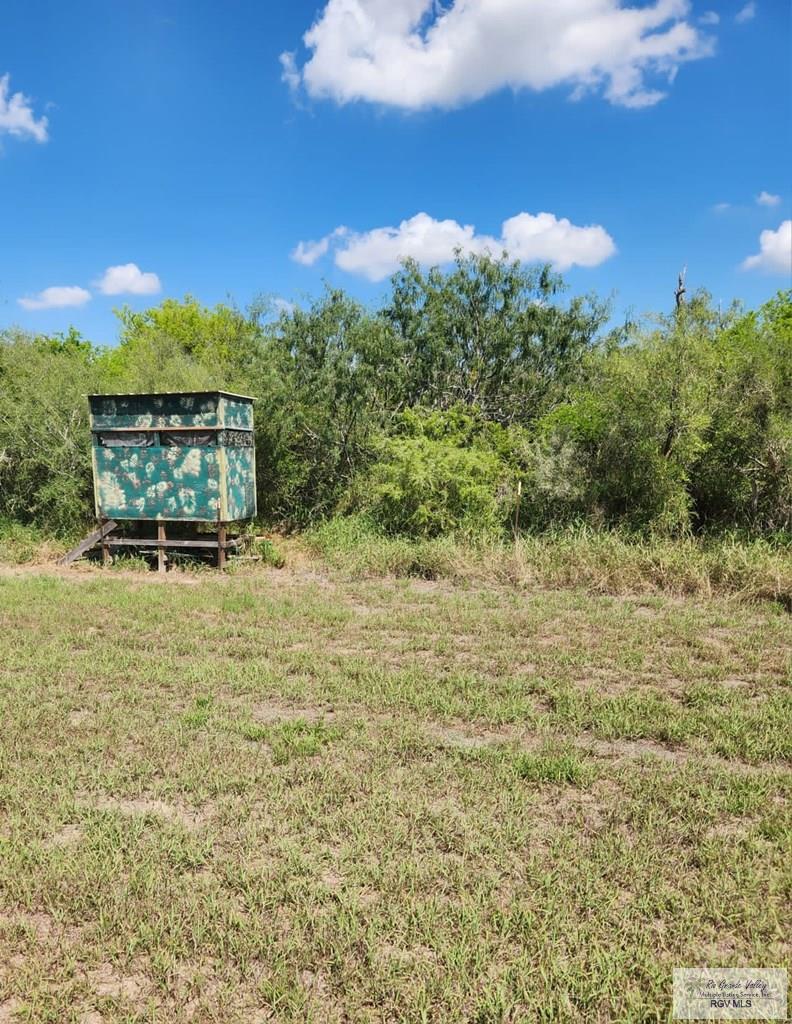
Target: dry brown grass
596 561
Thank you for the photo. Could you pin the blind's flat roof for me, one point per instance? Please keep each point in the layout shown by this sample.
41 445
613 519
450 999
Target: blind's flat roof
163 394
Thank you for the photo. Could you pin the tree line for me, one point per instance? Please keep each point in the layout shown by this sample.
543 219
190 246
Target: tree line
475 400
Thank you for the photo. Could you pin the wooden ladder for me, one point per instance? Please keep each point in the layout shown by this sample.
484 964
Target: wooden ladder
88 542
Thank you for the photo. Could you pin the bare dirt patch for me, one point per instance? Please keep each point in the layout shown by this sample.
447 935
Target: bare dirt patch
44 928
397 649
9 1009
607 682
108 982
466 738
188 817
67 836
588 805
734 683
732 829
635 749
274 712
389 953
719 638
550 640
42 925
332 879
318 990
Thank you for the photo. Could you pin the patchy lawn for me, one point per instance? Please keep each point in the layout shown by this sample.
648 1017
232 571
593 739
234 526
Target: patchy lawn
293 797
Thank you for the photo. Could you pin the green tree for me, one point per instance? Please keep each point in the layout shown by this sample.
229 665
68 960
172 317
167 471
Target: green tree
326 382
490 334
44 435
686 428
183 345
743 475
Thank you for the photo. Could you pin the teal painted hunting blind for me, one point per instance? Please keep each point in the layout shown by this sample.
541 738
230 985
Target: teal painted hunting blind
182 457
185 456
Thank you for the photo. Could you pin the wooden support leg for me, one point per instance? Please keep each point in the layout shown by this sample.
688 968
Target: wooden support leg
161 547
221 543
105 548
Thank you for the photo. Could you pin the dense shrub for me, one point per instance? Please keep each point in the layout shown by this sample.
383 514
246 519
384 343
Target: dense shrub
440 473
473 401
44 438
425 488
323 382
686 428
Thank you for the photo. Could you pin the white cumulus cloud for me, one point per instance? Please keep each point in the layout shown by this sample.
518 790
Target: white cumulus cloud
416 54
57 297
710 18
775 251
128 279
746 13
16 114
307 253
531 238
290 73
768 199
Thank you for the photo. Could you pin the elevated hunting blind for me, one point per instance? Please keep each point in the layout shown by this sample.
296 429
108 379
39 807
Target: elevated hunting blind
181 456
176 457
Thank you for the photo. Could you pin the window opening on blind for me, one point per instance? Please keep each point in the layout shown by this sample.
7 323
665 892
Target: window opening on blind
187 438
126 438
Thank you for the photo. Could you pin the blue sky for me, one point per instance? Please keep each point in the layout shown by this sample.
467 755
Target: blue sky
202 141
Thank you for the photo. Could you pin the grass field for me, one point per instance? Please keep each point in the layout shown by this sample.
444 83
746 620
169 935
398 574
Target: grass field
294 796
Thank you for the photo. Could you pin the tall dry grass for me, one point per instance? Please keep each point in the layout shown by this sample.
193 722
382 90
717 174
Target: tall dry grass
605 562
599 561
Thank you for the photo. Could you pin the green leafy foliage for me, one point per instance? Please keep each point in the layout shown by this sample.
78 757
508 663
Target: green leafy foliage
323 389
269 553
181 346
490 334
474 401
44 438
439 473
686 428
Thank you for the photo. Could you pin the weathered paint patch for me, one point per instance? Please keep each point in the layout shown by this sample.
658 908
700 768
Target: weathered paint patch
157 483
151 411
236 413
240 483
